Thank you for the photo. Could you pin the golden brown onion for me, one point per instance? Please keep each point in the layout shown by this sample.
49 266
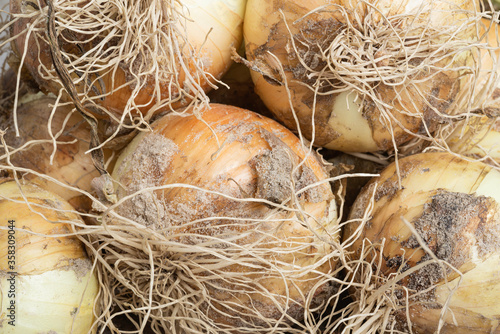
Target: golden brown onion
45 274
362 75
246 206
130 57
453 206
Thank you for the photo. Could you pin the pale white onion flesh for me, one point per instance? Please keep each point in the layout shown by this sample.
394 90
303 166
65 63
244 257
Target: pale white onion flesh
361 108
454 206
124 56
256 249
55 287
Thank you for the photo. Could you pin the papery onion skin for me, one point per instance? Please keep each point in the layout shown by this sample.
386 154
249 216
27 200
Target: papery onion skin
233 164
349 120
213 28
71 164
455 207
55 288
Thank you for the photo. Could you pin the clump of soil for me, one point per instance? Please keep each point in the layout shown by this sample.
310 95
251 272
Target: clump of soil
80 266
151 159
451 224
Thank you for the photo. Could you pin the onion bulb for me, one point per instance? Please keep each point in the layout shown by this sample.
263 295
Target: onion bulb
478 135
246 213
127 57
435 235
45 275
59 154
360 76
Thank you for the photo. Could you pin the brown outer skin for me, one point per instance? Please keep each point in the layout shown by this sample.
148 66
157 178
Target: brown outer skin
70 164
193 165
421 176
115 102
274 38
57 252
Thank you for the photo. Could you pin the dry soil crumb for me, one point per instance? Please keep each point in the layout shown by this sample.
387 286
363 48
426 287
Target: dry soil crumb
274 171
80 266
150 160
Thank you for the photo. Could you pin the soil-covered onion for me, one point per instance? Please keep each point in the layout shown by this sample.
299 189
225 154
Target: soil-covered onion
361 75
59 153
129 57
46 281
246 214
442 273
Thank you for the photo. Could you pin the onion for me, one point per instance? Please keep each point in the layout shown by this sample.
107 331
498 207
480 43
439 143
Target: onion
477 136
59 154
46 278
361 76
245 217
127 57
434 239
